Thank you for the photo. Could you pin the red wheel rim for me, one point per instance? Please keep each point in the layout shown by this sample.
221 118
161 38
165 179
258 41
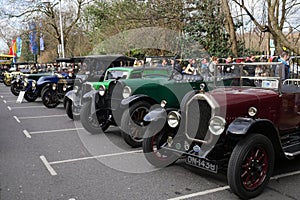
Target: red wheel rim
255 168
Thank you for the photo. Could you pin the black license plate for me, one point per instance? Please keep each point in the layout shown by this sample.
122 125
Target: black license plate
201 163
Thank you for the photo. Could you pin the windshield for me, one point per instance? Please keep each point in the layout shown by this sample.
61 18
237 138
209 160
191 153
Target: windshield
115 74
267 75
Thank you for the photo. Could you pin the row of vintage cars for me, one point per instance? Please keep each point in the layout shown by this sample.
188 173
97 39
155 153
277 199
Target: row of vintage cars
234 124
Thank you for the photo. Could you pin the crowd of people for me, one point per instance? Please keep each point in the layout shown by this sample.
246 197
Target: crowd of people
227 66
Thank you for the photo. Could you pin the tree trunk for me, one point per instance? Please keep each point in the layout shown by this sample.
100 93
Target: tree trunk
230 27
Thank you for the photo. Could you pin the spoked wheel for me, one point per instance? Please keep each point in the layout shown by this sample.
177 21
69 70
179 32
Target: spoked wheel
31 95
7 82
69 109
251 166
15 89
94 123
132 124
72 111
50 98
154 152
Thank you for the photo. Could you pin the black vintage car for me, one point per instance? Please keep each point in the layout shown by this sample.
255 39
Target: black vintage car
54 91
93 68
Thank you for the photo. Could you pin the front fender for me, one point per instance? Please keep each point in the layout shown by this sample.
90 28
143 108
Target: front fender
155 115
125 103
89 95
240 126
71 95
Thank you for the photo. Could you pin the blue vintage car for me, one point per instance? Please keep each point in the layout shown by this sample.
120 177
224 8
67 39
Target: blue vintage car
34 89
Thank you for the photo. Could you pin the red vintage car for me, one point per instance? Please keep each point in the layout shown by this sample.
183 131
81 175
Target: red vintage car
240 130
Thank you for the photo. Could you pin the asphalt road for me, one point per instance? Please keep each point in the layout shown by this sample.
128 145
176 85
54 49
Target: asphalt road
46 156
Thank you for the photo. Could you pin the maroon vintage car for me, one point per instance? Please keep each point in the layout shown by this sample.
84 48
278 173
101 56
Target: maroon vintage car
240 130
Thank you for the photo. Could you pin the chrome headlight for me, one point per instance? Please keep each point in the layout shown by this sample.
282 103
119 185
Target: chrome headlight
54 87
33 83
252 111
163 103
64 87
217 125
101 90
173 119
76 88
126 92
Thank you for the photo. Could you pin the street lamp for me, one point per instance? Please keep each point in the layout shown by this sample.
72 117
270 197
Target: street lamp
61 31
60 27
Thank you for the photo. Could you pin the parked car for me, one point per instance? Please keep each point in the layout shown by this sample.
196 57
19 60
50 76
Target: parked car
239 130
9 76
17 84
34 89
93 70
105 97
54 92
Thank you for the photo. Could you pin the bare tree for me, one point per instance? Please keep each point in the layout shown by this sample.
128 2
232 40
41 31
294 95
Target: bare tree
281 15
47 13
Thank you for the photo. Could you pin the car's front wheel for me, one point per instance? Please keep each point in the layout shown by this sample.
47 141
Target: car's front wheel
15 89
132 124
91 122
30 95
153 147
251 166
50 98
69 111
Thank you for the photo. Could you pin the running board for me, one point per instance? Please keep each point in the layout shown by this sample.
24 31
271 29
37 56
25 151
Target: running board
292 150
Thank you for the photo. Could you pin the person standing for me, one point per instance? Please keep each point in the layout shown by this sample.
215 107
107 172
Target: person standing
284 56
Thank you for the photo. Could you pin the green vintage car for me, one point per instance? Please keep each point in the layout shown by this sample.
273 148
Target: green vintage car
96 114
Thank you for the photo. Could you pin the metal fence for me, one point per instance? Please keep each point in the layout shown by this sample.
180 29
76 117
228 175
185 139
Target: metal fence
294 62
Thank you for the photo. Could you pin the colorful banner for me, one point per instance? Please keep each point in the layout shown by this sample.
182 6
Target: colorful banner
13 48
19 46
42 44
32 39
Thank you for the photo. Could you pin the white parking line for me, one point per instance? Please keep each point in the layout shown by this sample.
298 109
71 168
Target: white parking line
214 190
26 133
285 175
16 118
53 172
11 101
93 157
48 166
1 97
205 192
58 130
27 107
9 108
46 116
4 101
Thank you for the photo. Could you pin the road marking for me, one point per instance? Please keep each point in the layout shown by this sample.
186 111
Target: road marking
26 133
58 130
48 166
1 97
37 117
93 157
205 192
28 107
4 101
11 101
285 175
210 191
9 108
16 118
